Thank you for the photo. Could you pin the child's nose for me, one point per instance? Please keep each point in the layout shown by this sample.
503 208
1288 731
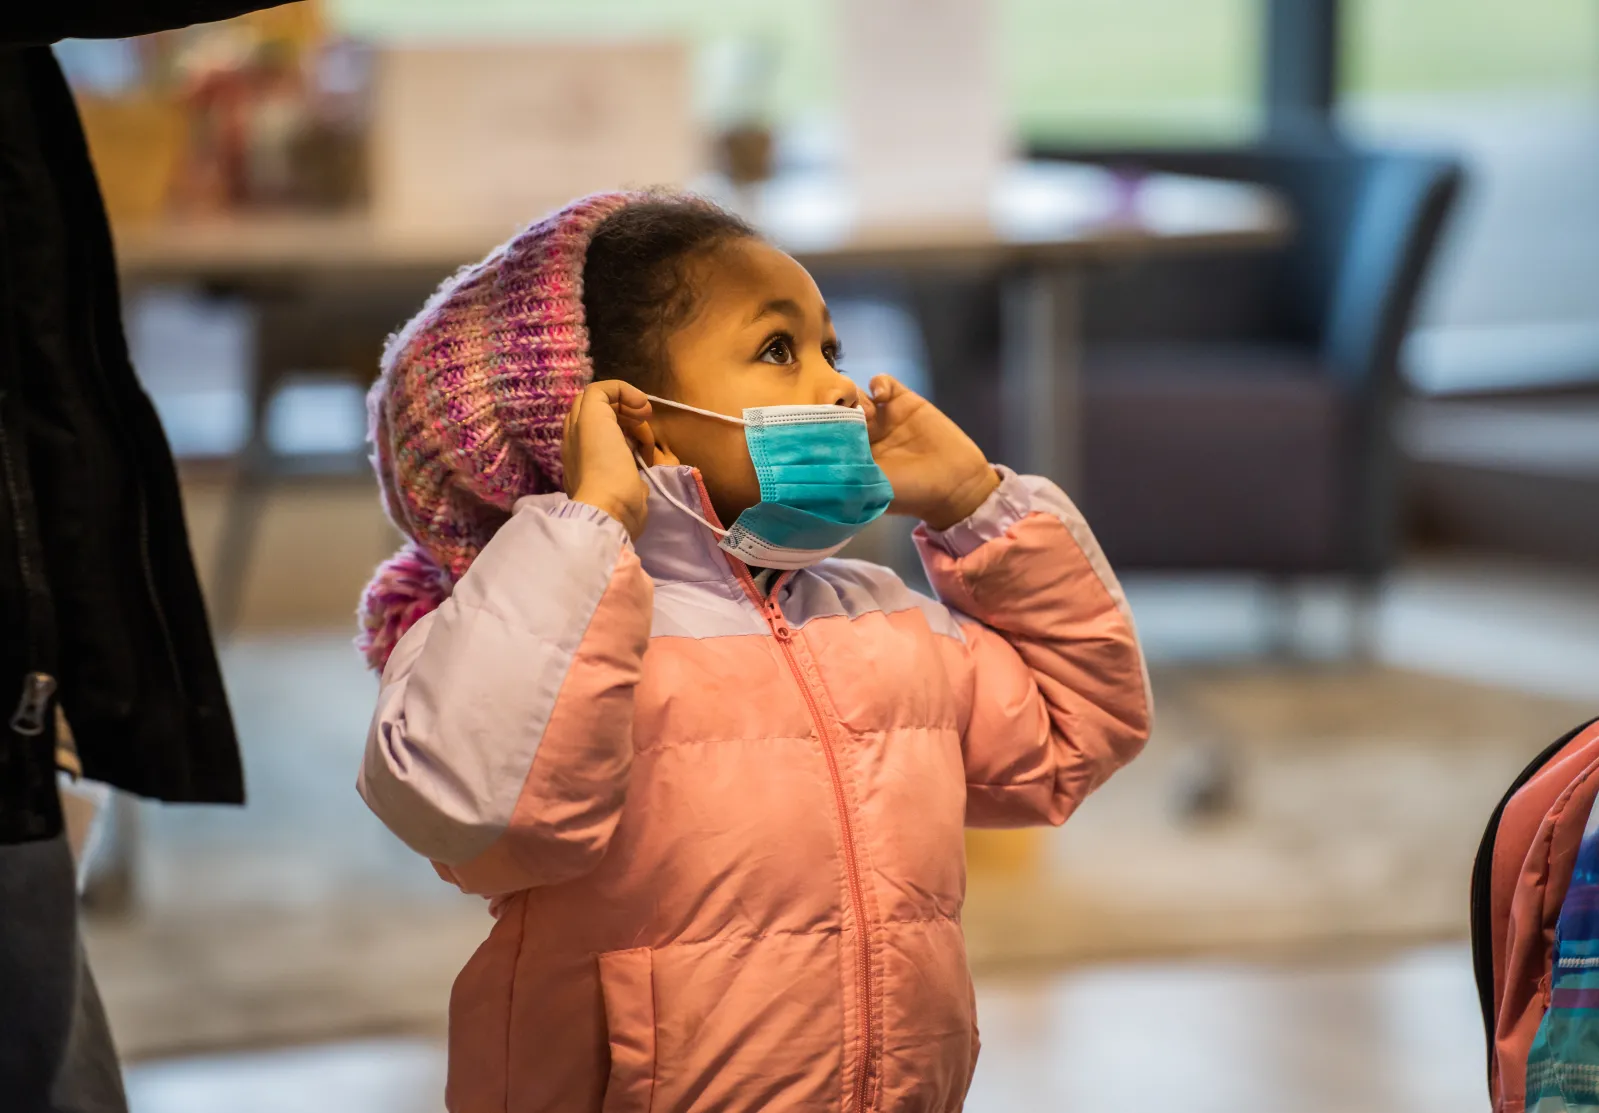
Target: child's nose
845 393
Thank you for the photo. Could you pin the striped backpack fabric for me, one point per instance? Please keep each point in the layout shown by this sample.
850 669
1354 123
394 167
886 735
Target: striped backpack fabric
1535 933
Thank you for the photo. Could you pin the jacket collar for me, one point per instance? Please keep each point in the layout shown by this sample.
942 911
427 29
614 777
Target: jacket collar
675 547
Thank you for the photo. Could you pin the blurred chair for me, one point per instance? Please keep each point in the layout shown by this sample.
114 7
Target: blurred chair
1239 411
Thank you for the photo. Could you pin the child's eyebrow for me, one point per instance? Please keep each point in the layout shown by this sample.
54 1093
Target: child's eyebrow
784 307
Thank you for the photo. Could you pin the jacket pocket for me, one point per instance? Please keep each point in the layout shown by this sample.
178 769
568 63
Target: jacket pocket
627 982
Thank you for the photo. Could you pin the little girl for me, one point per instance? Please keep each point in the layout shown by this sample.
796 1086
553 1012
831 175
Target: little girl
712 782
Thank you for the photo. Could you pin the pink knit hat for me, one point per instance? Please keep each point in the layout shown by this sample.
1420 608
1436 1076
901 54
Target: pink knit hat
468 410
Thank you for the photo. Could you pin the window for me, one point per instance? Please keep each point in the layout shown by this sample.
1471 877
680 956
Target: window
1411 46
1090 69
1133 70
1512 87
791 37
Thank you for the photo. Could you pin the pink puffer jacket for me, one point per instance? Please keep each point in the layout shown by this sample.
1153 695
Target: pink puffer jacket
721 833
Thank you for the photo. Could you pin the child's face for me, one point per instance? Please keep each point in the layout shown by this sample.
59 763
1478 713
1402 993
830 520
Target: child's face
760 336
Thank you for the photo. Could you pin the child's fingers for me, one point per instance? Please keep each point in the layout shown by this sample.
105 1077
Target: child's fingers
569 464
624 398
630 420
602 402
615 404
886 388
631 396
634 414
883 388
868 407
612 390
596 423
571 420
643 437
876 420
880 417
635 423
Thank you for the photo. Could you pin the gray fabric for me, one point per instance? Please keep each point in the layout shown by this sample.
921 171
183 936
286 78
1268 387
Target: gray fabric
56 1054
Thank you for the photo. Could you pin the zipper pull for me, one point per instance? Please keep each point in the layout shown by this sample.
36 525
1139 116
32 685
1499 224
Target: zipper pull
33 708
780 626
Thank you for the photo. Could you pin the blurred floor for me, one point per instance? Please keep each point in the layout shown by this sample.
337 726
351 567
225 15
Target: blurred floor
1390 1035
1393 1035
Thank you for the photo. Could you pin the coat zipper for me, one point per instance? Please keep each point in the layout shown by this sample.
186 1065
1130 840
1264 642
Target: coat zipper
31 714
785 634
33 709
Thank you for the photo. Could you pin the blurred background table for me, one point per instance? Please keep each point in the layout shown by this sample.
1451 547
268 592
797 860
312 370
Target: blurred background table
327 290
1042 212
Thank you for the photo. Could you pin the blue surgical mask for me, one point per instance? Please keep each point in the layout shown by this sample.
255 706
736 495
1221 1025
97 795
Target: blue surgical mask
819 483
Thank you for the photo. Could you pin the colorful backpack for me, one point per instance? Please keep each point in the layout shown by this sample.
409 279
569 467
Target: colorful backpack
1535 933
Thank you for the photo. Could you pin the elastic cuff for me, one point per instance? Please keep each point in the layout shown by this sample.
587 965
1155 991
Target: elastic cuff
584 512
559 506
581 510
1009 504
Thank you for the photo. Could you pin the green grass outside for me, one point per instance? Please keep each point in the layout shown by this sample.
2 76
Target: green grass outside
1128 68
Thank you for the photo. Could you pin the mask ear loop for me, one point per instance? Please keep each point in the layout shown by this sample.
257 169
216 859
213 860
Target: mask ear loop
731 420
650 478
653 482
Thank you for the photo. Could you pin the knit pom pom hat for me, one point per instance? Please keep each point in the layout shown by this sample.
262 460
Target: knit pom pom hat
468 412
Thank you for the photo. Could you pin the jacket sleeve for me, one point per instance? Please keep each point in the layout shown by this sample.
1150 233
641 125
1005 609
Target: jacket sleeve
1059 694
503 735
33 24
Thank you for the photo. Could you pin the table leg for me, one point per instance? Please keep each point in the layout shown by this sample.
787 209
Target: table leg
1040 368
273 327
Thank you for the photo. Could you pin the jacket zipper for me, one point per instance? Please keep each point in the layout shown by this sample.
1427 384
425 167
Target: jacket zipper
31 714
33 709
785 634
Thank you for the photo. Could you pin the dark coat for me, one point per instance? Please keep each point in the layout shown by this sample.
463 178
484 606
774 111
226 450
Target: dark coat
100 608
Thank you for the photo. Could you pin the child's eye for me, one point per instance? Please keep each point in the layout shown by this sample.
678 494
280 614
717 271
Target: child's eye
780 350
833 354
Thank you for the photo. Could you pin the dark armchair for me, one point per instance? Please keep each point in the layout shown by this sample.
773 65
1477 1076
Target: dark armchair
1238 410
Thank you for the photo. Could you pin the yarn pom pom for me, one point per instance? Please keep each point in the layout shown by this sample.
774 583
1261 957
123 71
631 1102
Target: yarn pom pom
405 588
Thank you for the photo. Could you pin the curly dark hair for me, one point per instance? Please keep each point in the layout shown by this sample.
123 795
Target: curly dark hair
635 281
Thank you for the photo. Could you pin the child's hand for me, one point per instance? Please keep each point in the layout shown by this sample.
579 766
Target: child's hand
607 422
939 474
